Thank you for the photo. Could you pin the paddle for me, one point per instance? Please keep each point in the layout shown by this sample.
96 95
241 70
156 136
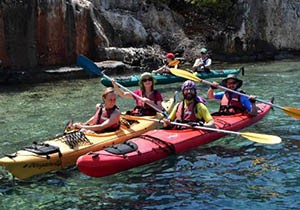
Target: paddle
291 111
256 137
91 67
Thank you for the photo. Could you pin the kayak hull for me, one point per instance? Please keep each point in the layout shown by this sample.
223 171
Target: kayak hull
159 144
166 79
24 164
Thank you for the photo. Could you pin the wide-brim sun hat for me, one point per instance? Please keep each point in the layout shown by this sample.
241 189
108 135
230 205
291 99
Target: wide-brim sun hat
239 82
143 76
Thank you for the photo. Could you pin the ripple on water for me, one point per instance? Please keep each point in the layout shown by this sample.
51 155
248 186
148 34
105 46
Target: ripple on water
231 173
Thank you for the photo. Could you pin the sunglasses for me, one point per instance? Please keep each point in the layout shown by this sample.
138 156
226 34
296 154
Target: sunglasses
147 79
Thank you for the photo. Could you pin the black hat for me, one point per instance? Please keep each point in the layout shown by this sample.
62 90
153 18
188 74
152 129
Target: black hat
234 77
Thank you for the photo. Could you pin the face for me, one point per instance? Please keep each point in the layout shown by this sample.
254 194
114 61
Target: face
189 93
147 81
203 55
110 100
231 84
169 60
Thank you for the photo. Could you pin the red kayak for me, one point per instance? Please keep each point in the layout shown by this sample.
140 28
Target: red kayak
158 144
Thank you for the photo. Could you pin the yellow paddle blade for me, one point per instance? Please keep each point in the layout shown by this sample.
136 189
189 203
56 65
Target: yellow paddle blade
261 138
292 111
185 74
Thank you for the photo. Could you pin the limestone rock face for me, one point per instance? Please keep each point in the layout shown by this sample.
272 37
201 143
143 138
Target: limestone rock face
36 34
267 26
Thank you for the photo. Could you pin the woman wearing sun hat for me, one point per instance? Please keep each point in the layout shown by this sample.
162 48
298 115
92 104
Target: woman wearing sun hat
172 62
202 63
146 92
232 103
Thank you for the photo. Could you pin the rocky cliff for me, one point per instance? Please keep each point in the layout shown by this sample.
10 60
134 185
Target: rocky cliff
38 33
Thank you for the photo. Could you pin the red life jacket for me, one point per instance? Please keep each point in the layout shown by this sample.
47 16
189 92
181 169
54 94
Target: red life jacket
231 105
145 110
102 114
187 114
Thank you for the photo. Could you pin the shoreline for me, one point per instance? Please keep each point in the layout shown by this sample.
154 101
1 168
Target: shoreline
20 77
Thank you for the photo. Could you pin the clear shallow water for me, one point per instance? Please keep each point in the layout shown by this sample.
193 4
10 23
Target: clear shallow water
231 173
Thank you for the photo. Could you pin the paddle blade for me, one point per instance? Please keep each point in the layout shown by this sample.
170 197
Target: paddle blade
261 138
293 112
88 65
185 74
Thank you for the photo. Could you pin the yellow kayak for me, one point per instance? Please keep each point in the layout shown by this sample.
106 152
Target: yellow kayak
63 151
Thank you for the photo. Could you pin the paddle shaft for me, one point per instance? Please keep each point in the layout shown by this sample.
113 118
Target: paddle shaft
239 93
256 137
206 128
89 65
137 96
291 111
187 125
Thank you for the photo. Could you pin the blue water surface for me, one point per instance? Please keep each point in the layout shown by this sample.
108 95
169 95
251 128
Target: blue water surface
230 173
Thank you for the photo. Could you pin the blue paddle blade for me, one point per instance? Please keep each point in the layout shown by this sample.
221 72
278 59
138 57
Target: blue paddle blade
88 65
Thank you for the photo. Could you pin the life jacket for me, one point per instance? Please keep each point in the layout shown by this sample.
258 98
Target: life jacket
231 104
102 114
173 63
145 110
187 114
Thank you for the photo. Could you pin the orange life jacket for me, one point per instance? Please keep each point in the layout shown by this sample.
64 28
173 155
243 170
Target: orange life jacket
173 63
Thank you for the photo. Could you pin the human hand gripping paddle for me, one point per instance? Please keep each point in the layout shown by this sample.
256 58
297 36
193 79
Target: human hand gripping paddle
291 111
256 137
91 67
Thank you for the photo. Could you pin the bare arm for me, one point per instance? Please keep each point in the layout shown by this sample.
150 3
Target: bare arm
114 118
197 63
158 105
210 94
120 92
160 70
211 91
208 63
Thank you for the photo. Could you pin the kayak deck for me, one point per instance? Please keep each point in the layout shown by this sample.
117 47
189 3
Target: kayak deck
160 143
169 78
63 151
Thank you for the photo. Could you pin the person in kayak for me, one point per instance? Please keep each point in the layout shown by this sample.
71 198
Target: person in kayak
171 63
107 116
192 110
146 92
232 103
202 63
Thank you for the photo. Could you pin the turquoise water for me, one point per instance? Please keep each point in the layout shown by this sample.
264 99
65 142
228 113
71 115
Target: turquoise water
231 173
